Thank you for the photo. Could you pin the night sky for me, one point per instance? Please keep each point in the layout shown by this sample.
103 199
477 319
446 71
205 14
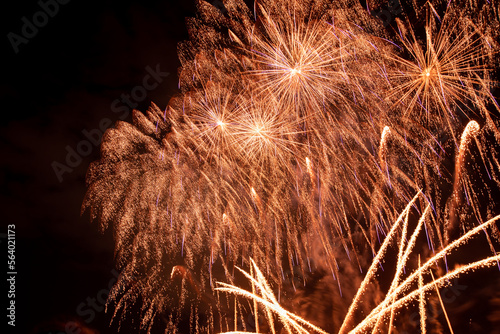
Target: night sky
59 89
62 82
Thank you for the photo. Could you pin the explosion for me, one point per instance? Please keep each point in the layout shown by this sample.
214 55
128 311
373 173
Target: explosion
308 148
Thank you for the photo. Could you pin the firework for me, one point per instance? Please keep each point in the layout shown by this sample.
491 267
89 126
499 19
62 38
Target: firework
302 130
397 295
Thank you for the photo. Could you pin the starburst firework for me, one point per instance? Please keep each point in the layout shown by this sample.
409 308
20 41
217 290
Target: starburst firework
301 132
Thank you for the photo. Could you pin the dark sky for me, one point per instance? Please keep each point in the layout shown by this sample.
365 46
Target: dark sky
62 81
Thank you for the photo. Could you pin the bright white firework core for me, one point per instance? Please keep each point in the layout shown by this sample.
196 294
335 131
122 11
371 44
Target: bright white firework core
295 71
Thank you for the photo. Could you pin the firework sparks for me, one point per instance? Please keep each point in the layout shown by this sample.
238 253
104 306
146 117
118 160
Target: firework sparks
297 143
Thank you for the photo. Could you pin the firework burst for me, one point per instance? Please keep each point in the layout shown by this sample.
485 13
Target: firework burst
437 82
301 133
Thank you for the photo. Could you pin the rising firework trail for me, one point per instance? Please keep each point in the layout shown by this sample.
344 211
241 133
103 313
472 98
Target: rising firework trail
310 152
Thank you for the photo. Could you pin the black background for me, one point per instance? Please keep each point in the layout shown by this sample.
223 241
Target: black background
61 82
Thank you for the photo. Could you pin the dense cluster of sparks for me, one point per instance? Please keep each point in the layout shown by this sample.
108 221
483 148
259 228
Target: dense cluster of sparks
303 129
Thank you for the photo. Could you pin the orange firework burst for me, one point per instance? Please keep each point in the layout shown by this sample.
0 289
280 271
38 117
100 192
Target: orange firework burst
301 133
436 83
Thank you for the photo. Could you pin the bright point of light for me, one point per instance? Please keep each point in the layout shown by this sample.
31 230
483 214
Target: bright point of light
257 130
295 71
